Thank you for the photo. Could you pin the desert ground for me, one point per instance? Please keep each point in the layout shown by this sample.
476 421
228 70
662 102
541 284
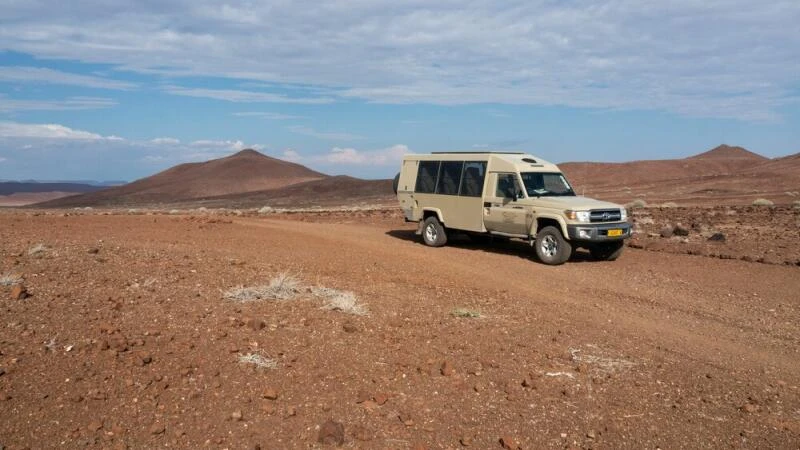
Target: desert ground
133 333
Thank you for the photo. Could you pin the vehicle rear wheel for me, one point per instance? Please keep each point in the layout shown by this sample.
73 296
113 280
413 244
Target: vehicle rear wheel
551 247
608 251
433 233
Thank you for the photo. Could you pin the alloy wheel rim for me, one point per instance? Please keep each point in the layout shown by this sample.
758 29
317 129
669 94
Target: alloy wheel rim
430 233
549 246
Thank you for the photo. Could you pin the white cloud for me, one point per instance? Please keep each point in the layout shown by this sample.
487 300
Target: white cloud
8 105
333 136
21 74
268 115
291 155
46 131
239 96
165 141
350 156
227 145
3 159
54 151
734 58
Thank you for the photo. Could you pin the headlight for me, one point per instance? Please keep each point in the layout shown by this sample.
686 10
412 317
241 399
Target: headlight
623 214
579 216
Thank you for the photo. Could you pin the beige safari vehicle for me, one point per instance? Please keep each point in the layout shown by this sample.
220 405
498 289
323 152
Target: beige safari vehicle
507 195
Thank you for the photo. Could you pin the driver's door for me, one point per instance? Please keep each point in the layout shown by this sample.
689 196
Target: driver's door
501 211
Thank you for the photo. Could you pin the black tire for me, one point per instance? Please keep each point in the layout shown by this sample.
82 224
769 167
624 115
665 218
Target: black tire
433 233
551 247
608 251
396 182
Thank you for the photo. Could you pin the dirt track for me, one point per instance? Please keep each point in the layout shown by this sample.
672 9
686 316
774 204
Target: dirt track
653 350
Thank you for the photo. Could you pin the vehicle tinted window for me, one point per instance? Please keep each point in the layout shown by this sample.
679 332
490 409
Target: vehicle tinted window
449 177
426 177
474 173
507 185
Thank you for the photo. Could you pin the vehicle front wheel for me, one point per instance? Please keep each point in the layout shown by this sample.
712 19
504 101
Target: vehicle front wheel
607 251
551 247
433 232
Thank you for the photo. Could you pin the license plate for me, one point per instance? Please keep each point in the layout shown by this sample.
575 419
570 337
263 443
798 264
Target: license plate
615 232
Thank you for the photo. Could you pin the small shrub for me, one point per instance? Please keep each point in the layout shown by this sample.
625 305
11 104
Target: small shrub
762 202
465 313
258 360
336 300
266 210
10 279
669 205
638 203
37 250
796 204
282 287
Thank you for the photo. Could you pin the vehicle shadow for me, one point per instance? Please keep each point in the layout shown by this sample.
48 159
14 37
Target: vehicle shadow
508 247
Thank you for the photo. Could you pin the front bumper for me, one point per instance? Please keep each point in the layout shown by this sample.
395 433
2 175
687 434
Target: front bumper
598 232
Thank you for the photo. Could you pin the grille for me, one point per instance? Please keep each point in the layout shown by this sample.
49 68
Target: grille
605 215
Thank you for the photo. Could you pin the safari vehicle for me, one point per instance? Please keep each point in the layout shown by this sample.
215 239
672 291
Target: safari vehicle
507 195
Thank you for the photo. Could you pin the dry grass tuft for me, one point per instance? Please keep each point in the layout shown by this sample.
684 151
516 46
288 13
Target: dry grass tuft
37 250
258 360
638 203
762 202
465 313
10 279
282 287
669 205
336 300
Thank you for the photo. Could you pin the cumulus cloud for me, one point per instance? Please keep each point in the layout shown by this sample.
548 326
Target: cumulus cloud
55 151
23 74
389 156
733 58
165 141
46 131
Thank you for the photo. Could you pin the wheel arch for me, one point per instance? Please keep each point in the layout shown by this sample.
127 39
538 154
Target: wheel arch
555 221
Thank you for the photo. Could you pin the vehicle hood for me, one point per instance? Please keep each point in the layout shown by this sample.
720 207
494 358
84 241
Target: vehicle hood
575 203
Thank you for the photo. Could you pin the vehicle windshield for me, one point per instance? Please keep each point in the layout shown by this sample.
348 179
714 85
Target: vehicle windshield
544 184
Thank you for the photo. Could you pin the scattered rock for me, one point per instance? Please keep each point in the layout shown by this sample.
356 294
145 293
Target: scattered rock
666 232
680 230
363 396
94 425
717 237
331 433
19 292
591 434
270 394
237 416
157 428
447 369
466 441
509 443
350 327
749 408
93 251
381 398
256 324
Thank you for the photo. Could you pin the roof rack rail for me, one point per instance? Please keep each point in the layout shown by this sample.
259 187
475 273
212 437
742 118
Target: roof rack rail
477 153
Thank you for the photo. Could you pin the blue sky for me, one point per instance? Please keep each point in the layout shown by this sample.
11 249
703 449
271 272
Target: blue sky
115 89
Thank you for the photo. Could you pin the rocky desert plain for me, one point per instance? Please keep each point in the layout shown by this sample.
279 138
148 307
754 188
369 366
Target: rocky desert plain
249 303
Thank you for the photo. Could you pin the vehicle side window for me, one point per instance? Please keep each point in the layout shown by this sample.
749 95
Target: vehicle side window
449 178
426 177
472 181
506 185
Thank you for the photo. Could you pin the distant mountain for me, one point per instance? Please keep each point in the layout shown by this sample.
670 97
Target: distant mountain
724 174
240 173
14 187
